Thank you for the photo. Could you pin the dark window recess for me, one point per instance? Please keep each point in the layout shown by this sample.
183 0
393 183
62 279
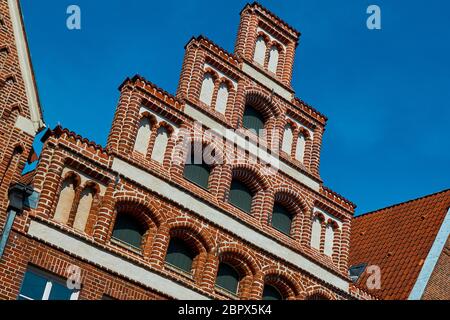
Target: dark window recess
271 293
240 196
227 278
281 219
253 119
128 230
180 255
198 174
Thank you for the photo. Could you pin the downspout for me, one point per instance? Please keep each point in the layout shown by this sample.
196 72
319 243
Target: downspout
18 194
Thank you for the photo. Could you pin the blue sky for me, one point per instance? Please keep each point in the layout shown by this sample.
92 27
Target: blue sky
386 92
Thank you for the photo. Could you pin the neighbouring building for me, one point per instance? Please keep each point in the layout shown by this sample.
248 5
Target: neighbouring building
137 219
410 244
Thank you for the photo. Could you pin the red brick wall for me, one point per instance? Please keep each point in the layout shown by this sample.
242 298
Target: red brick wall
15 145
95 283
438 287
166 219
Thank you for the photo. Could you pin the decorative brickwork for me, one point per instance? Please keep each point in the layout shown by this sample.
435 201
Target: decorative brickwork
84 187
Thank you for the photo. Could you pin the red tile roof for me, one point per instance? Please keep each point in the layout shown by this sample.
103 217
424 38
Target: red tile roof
398 240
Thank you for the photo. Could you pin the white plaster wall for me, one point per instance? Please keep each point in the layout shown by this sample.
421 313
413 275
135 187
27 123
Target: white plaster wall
315 234
206 93
300 151
260 51
273 59
329 240
83 210
65 201
288 137
160 146
222 98
143 136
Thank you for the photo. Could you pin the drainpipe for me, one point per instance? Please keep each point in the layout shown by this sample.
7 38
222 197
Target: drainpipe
17 194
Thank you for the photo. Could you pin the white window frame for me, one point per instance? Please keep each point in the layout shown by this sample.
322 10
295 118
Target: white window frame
48 286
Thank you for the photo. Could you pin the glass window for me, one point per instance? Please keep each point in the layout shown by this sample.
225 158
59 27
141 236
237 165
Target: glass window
240 196
128 231
227 278
198 174
180 255
281 219
37 285
271 293
253 119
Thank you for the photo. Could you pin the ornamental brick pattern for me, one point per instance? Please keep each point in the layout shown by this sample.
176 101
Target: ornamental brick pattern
72 168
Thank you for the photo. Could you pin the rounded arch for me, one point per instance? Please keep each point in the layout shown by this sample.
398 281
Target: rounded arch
195 236
140 208
246 174
278 45
283 281
263 104
74 176
317 293
239 257
149 116
264 36
290 198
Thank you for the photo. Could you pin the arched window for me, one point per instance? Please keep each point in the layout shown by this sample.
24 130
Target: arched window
207 90
84 207
128 230
288 138
222 98
143 136
273 59
65 202
271 293
317 296
282 219
316 233
160 146
329 240
241 196
180 255
228 278
253 119
196 170
301 143
260 50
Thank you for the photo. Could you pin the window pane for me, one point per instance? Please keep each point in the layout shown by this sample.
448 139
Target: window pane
128 230
180 255
227 278
281 219
33 286
253 119
59 292
198 174
271 293
241 196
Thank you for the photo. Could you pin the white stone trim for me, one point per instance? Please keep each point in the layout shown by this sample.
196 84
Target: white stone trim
112 262
252 148
26 125
265 80
431 260
25 66
221 219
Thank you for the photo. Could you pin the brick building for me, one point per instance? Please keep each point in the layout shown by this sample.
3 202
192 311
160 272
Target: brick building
136 220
